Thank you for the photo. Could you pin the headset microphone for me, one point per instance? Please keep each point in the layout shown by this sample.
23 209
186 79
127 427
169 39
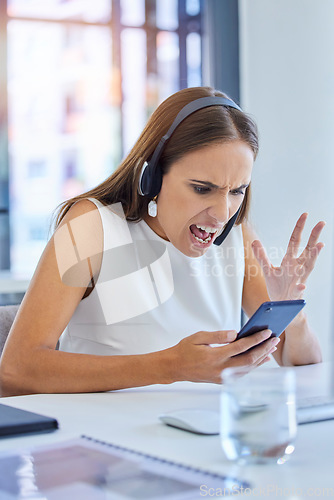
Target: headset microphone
151 175
219 240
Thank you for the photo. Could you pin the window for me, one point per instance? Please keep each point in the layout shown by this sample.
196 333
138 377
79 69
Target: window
81 79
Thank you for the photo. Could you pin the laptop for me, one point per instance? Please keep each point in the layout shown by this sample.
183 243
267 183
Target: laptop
14 421
315 399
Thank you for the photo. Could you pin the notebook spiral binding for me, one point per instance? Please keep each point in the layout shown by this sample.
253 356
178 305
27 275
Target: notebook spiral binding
167 462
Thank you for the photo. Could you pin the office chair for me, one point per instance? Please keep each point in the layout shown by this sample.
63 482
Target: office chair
7 315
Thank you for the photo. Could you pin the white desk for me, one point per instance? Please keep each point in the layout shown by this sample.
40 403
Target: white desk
130 418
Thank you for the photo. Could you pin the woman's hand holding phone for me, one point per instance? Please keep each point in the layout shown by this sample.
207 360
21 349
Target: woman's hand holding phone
196 360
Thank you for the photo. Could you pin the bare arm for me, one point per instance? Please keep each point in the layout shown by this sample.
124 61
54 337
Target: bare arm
30 363
298 333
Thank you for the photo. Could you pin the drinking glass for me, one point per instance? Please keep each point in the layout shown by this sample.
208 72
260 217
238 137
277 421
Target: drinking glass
258 414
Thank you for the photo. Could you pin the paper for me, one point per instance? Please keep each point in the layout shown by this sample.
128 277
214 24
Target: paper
87 469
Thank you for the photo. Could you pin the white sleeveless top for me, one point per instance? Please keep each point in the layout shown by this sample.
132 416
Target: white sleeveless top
149 295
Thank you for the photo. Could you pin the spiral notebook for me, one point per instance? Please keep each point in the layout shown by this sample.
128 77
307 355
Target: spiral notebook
86 468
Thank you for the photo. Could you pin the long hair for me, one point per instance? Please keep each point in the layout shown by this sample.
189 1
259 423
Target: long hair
206 126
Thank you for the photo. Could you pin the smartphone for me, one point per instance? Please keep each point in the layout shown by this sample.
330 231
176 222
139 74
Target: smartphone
274 316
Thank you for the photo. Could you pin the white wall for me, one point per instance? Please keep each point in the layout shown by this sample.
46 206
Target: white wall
287 85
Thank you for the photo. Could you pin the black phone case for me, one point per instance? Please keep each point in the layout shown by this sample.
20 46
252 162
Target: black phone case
274 316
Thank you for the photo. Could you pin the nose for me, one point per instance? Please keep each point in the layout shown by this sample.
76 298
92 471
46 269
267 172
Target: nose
220 210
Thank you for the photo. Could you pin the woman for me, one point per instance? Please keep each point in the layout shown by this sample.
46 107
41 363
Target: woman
133 282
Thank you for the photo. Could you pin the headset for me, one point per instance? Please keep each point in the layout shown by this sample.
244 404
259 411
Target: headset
151 174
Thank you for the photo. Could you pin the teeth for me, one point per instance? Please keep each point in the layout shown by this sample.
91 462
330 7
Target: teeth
203 241
207 229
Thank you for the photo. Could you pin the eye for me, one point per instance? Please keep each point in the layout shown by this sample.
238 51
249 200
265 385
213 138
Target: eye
236 192
201 189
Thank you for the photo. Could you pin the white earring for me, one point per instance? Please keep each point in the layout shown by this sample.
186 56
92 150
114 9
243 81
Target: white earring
152 208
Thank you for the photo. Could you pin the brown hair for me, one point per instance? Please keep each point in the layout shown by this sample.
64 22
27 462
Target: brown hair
206 126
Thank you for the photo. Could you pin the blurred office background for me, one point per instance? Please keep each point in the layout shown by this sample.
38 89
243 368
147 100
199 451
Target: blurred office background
82 77
78 79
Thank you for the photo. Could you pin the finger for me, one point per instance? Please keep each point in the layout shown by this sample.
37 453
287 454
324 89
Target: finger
308 267
312 241
250 361
218 337
294 242
300 287
261 256
266 355
242 345
265 360
256 355
261 354
263 350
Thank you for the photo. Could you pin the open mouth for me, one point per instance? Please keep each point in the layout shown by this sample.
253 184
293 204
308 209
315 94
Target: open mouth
203 234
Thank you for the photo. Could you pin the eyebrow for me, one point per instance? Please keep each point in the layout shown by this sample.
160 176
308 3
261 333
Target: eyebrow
214 186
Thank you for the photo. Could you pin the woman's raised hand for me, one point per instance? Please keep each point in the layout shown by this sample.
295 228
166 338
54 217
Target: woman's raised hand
288 281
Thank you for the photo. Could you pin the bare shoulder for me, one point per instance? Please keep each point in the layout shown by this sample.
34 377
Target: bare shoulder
66 270
84 225
80 208
79 240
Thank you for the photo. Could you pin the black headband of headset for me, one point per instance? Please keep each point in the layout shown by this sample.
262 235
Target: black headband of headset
151 176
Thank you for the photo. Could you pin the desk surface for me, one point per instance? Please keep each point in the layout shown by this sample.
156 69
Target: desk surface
130 418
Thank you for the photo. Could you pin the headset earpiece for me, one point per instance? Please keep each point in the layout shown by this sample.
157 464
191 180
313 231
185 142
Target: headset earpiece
149 182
